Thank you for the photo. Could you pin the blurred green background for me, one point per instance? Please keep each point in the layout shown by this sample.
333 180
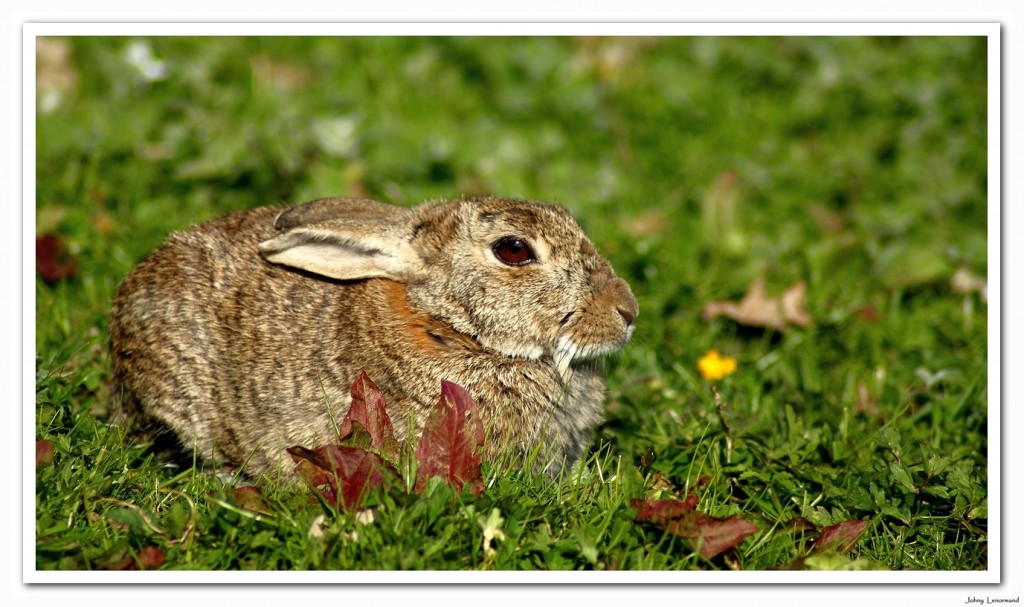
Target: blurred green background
696 164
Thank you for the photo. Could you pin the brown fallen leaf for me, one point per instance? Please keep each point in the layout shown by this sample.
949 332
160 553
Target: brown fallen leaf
124 563
449 447
758 310
368 416
122 559
341 474
344 473
711 535
249 498
44 453
150 557
842 536
451 441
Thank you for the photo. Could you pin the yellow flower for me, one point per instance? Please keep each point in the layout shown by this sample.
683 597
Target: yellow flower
714 366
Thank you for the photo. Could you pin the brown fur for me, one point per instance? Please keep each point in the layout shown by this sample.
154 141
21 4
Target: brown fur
242 357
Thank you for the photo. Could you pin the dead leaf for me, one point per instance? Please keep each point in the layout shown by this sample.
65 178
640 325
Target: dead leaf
347 471
44 453
368 413
451 441
342 474
758 310
150 557
660 511
842 536
53 260
124 563
120 558
249 498
711 535
449 447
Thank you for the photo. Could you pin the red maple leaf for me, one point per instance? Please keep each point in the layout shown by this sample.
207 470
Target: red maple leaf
367 424
711 535
368 410
451 441
449 446
841 536
340 473
348 471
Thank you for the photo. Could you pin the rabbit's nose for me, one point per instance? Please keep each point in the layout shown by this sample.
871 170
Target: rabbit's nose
627 315
617 294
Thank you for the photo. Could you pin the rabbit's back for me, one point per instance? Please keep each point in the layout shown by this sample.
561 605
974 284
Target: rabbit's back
201 332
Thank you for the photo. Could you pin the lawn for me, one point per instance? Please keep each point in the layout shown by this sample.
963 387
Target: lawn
700 167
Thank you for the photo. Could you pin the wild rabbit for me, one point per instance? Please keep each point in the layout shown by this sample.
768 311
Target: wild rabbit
243 335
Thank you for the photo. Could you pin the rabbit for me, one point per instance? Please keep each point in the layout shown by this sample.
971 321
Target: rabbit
243 335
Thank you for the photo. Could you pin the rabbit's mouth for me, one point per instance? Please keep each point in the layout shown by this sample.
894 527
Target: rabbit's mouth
568 351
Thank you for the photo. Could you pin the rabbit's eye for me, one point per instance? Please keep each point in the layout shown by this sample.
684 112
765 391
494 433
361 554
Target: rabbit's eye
513 251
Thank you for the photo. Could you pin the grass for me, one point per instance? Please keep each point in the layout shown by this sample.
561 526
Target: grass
857 165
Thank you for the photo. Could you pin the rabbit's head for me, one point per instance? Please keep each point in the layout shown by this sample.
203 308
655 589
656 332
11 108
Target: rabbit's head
520 277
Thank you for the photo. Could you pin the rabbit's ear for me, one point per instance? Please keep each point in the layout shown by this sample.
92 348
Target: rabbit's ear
348 209
347 239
